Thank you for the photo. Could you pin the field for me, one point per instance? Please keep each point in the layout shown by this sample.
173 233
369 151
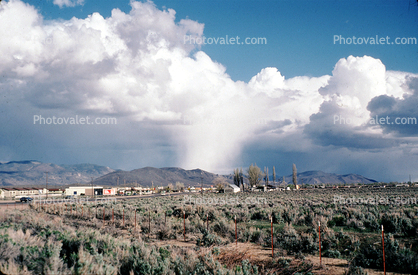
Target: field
195 234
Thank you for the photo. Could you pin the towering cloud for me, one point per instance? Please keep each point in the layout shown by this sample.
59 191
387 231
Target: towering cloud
174 104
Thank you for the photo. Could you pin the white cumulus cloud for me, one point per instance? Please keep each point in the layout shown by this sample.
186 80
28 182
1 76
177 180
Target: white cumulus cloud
68 3
167 94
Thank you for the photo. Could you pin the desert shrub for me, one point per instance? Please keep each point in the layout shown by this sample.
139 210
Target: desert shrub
356 270
339 221
256 236
287 217
356 224
283 262
308 219
223 229
248 269
164 232
390 223
332 253
208 240
260 215
143 260
406 227
277 217
371 224
397 259
216 251
293 242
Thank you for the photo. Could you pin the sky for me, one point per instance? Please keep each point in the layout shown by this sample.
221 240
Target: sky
327 85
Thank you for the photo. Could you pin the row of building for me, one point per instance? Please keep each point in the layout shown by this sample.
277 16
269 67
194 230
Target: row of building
18 192
34 192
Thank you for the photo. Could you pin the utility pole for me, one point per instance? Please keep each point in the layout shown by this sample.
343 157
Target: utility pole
92 188
201 183
46 184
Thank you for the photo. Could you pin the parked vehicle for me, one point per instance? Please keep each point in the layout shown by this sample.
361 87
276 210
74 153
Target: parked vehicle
26 199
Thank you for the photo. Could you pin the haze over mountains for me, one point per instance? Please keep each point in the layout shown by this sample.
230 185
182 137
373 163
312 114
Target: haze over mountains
32 173
319 177
149 176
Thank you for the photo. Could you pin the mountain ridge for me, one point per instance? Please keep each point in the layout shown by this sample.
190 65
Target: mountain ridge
32 173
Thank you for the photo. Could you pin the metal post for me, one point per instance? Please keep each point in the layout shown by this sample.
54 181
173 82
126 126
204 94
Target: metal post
113 221
383 244
207 223
165 219
320 257
123 216
103 216
149 223
92 188
135 219
46 184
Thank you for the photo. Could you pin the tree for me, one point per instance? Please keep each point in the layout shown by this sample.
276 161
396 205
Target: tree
220 183
241 178
180 186
254 175
274 175
295 175
266 176
236 177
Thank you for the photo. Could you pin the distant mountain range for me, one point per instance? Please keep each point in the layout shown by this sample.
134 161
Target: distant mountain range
319 177
149 176
32 173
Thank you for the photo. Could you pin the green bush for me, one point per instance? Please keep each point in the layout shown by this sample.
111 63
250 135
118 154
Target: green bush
208 240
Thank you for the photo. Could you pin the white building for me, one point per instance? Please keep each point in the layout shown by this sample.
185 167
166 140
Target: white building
83 190
232 188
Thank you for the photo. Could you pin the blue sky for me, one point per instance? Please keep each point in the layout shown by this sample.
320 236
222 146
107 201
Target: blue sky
299 99
299 33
